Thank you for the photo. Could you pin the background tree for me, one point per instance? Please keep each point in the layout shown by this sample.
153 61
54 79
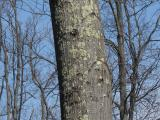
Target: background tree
131 31
28 82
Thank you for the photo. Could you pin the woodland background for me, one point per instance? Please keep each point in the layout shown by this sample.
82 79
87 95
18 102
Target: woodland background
28 73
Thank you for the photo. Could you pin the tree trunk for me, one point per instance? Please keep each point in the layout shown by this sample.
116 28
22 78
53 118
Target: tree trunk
133 95
121 61
84 79
8 95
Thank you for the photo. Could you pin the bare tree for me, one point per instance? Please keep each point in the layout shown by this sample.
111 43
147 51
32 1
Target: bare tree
28 82
131 38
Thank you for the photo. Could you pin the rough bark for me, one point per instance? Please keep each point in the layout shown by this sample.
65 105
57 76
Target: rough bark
133 95
85 85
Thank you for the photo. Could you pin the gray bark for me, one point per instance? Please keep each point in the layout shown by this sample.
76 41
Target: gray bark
84 78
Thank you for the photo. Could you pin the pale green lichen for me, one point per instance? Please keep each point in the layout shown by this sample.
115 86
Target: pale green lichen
86 72
89 16
83 53
102 59
88 8
85 58
107 81
78 53
81 44
73 51
89 31
99 62
84 117
71 72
